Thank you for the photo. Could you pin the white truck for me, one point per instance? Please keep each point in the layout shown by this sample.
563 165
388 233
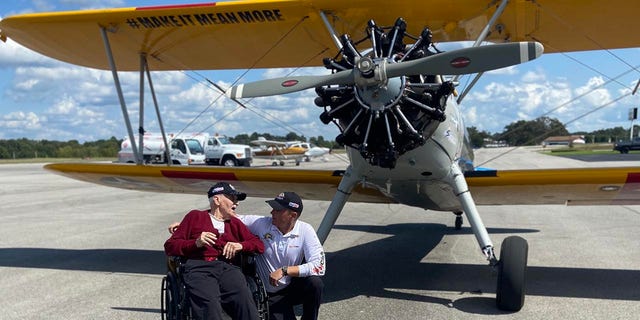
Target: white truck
219 150
184 149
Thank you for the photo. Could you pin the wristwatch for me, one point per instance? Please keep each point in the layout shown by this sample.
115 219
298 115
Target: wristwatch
284 271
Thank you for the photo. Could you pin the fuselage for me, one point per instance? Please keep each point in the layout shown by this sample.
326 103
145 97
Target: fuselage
418 177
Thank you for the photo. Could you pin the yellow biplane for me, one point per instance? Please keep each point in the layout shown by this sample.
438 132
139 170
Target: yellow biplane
389 90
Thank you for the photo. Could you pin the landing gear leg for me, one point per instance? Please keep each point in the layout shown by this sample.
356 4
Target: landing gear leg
347 183
511 267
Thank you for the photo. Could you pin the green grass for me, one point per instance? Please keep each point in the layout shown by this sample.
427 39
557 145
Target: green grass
584 149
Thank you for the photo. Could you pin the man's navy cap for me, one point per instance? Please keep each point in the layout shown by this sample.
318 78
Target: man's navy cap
225 188
287 200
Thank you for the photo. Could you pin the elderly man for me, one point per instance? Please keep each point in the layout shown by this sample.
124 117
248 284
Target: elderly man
209 239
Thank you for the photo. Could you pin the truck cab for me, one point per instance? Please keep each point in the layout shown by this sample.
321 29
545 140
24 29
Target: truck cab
183 151
220 151
626 146
187 152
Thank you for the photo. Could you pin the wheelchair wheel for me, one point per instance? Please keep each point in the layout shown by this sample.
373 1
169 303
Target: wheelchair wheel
259 296
170 298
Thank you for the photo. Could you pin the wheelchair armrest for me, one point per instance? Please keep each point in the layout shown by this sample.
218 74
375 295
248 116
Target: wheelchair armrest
174 263
247 262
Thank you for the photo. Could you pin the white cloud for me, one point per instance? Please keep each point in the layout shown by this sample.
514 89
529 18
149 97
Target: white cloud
13 55
20 120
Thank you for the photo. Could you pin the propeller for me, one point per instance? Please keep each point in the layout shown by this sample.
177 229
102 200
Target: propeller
455 62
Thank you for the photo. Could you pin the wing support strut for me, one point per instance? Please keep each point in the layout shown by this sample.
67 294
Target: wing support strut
332 32
481 37
348 182
461 190
123 105
144 70
145 66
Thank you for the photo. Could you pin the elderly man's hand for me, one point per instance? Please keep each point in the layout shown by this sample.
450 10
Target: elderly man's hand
230 249
172 227
206 238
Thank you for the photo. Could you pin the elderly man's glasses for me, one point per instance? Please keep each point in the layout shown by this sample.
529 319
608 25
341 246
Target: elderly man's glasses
233 199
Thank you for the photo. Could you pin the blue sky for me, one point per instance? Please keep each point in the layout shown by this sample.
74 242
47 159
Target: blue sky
41 98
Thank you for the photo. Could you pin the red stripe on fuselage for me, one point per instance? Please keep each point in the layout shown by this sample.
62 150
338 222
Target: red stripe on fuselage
630 192
633 177
177 6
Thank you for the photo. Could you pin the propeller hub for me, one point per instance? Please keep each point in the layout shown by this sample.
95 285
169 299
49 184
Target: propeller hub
377 98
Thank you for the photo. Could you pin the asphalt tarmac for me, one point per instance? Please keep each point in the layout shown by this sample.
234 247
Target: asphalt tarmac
73 250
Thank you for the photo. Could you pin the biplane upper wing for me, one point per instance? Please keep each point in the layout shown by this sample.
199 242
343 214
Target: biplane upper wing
588 186
291 33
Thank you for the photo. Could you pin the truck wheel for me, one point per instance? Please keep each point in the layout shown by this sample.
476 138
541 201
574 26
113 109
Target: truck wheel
229 161
624 150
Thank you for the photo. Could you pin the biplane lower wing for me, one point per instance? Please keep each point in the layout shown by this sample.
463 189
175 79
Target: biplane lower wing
590 186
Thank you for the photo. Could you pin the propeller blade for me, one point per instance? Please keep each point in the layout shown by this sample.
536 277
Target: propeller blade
469 60
461 61
284 85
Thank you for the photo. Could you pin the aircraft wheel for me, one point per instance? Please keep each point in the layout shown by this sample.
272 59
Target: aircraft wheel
459 220
281 163
275 164
512 268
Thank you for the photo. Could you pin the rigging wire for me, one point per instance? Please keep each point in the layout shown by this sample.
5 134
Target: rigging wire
591 39
554 130
245 72
585 35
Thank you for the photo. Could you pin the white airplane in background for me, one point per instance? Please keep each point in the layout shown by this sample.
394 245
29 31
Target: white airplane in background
280 151
388 89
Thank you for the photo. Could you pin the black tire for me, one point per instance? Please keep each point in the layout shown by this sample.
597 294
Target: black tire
259 296
512 269
163 299
229 161
458 223
170 298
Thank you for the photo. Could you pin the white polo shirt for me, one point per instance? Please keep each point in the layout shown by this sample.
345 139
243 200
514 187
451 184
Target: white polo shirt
286 249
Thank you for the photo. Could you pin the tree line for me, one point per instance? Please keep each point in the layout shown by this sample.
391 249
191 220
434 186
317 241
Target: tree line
518 133
26 149
533 132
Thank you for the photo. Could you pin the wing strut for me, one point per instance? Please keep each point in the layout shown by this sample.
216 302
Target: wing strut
332 32
123 105
144 70
145 65
481 37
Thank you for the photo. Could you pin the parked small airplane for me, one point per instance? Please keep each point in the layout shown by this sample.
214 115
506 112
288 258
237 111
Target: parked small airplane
388 90
280 151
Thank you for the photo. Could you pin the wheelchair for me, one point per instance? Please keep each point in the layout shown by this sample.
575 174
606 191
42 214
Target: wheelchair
174 298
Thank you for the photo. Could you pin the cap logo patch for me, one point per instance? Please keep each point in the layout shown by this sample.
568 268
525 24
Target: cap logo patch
218 189
294 205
